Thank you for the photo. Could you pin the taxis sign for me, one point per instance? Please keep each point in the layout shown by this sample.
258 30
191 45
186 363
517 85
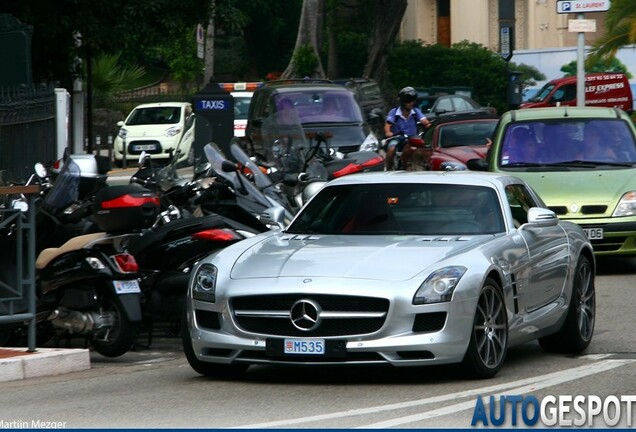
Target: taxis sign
582 6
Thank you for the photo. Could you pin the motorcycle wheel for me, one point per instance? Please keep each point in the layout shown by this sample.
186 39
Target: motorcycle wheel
121 336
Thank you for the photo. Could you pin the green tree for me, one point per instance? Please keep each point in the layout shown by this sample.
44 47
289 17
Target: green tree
599 65
111 77
620 22
464 64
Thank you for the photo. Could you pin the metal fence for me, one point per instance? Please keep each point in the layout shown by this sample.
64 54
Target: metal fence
27 128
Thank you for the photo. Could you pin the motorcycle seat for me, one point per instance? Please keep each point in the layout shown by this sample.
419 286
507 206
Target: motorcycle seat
45 257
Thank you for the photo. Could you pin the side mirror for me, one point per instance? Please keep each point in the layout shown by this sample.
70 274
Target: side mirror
120 123
375 116
540 217
142 158
273 216
228 166
477 164
40 170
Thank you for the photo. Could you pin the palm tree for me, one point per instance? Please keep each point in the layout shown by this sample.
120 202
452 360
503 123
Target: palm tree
620 23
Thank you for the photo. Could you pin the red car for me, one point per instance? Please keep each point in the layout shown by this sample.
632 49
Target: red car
451 141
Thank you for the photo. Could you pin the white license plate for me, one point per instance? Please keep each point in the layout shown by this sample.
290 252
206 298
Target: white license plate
127 286
140 147
594 233
305 346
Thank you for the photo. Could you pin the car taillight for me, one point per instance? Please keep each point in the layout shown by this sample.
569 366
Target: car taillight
348 169
126 263
217 235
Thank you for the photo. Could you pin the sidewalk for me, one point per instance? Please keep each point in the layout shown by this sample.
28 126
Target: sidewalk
18 363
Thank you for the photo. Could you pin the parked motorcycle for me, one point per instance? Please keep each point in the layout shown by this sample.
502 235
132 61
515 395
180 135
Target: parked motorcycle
301 163
88 285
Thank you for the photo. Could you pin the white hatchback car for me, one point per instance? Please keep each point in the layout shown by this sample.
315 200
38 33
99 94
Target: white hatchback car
157 129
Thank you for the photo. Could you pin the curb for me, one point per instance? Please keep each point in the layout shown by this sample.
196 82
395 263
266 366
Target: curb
18 363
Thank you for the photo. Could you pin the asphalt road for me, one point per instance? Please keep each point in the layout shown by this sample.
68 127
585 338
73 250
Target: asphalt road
153 386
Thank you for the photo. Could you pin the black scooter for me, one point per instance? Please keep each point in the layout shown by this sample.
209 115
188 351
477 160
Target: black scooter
88 284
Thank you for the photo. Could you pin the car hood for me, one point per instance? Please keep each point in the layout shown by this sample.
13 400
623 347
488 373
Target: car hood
286 255
464 153
589 187
342 134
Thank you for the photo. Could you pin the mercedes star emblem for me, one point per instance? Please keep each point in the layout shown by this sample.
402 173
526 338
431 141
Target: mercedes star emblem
305 315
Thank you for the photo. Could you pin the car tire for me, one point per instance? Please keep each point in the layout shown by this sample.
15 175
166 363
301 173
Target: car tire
207 369
489 334
119 163
576 332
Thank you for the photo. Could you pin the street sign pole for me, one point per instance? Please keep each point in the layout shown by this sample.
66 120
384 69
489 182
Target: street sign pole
580 67
579 7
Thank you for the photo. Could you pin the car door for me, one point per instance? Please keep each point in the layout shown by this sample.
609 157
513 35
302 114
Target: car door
541 282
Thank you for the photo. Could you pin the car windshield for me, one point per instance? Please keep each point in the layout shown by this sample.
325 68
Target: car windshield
154 115
241 107
568 142
322 106
542 94
401 208
466 133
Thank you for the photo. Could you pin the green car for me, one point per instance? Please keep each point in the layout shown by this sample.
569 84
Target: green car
581 161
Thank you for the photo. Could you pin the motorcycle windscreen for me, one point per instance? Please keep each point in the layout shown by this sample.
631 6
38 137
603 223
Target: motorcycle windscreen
260 178
245 191
284 138
65 190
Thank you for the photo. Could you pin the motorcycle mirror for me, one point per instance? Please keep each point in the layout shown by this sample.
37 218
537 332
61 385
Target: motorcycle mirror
21 205
40 170
228 166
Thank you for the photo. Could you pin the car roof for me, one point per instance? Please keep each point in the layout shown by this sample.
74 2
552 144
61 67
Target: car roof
160 104
441 177
296 84
561 112
456 116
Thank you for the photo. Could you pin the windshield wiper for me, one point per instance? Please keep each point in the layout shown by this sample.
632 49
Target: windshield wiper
590 164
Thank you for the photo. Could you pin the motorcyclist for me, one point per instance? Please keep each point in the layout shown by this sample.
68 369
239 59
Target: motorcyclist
402 119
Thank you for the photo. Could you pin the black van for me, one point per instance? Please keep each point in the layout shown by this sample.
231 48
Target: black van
347 128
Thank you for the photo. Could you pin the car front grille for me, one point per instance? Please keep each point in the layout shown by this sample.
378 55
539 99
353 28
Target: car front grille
585 210
608 244
133 149
335 315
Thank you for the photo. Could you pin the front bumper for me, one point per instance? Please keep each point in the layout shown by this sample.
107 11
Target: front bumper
407 336
619 238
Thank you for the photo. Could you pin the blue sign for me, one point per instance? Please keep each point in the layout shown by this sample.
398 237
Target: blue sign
212 105
581 6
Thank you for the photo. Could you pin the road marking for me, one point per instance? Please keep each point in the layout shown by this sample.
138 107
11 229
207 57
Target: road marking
570 375
515 387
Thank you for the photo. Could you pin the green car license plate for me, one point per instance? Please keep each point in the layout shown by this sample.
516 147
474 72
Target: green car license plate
594 233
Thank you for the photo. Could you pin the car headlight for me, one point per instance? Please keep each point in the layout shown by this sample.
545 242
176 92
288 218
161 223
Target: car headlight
452 166
626 206
123 133
370 143
170 132
204 286
439 286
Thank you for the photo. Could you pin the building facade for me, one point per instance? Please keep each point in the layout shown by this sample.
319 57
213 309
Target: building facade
536 23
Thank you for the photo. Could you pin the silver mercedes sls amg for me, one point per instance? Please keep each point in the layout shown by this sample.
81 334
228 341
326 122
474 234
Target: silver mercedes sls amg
404 269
